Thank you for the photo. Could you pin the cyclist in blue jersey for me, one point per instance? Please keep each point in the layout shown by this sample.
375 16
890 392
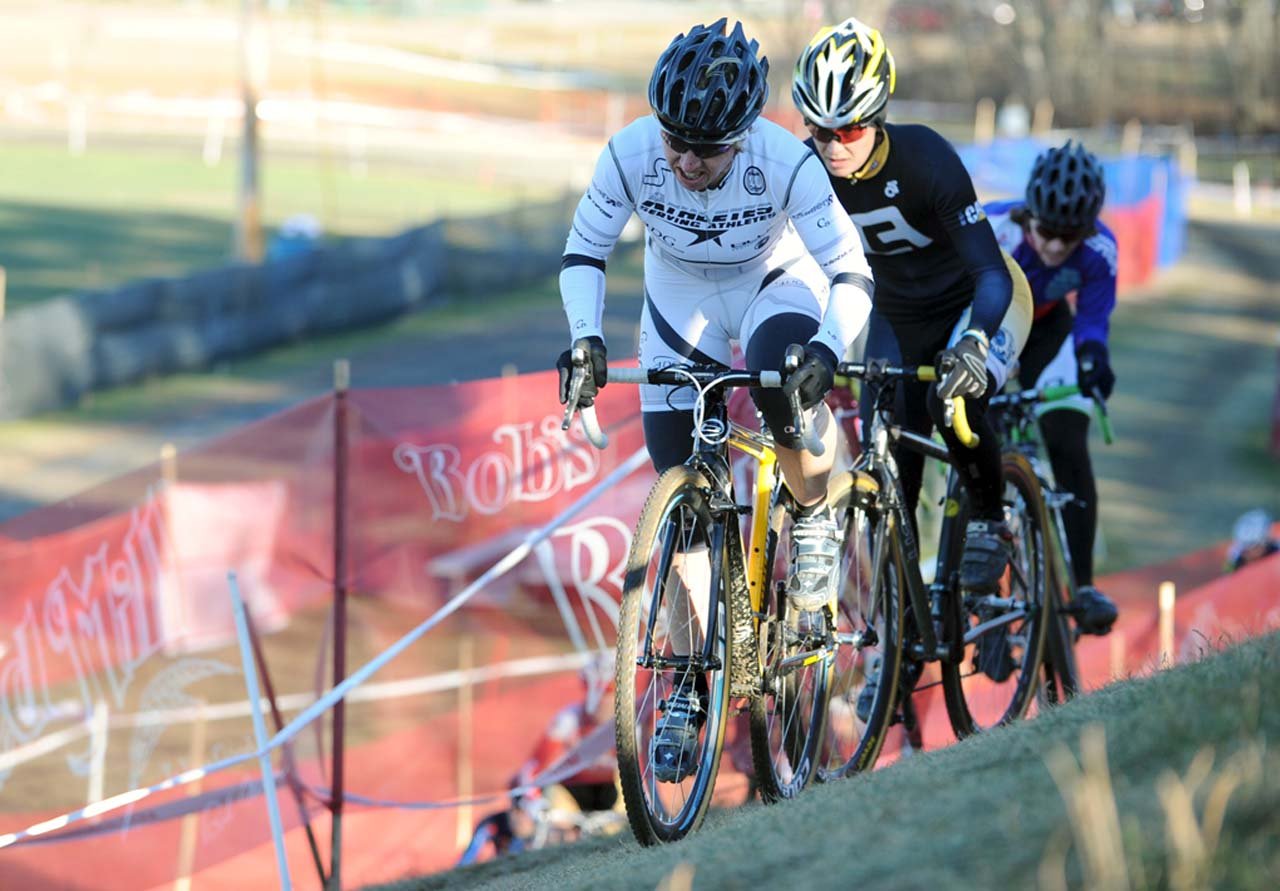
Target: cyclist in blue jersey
1069 257
945 293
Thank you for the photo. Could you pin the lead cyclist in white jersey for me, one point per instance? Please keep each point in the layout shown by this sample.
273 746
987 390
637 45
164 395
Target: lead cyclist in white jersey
745 242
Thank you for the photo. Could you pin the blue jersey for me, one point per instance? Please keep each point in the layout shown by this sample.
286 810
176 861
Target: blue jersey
1089 273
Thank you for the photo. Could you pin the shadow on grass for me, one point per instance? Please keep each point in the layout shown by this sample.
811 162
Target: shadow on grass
49 250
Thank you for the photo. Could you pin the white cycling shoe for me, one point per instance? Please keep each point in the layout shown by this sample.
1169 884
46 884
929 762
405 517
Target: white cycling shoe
816 540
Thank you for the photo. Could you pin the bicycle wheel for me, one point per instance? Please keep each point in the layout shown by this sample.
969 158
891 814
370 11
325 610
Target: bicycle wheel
996 677
796 657
1061 672
672 634
868 620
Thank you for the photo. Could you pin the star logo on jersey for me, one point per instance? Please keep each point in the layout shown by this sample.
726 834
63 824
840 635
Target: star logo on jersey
702 235
891 189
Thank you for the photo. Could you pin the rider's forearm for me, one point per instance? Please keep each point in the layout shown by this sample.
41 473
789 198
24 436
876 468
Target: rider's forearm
848 309
1094 304
992 294
582 293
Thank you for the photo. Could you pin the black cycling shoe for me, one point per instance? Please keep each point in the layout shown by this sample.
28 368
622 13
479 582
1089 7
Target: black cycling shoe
866 699
1094 611
986 554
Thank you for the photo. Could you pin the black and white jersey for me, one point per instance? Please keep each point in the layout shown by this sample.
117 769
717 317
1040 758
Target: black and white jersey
923 229
774 206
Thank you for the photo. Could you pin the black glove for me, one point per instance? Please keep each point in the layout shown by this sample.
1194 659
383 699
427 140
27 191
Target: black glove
1093 369
962 369
815 375
597 359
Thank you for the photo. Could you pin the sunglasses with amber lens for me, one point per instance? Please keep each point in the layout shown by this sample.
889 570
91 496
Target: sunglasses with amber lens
842 135
700 150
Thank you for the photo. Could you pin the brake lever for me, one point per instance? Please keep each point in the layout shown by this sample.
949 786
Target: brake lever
579 377
808 437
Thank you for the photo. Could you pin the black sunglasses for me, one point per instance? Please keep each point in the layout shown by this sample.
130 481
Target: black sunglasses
700 150
1065 235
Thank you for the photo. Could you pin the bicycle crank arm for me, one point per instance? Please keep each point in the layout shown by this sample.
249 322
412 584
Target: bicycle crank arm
867 637
682 663
978 630
801 660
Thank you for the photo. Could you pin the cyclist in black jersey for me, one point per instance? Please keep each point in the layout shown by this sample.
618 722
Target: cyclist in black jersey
945 293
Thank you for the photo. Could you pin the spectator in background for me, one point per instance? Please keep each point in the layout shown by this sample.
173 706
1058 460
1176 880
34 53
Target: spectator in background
594 787
298 234
1251 540
556 807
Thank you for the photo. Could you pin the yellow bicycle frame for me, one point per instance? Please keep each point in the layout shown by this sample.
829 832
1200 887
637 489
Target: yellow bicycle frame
766 457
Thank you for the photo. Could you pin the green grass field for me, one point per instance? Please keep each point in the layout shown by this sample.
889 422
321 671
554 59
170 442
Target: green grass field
1168 781
71 223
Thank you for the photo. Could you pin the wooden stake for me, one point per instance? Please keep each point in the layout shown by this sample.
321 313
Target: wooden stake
1131 137
189 832
1119 648
98 761
1168 595
1242 194
466 657
984 121
1042 117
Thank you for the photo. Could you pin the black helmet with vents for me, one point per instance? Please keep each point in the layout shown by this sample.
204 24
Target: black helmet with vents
709 86
1066 188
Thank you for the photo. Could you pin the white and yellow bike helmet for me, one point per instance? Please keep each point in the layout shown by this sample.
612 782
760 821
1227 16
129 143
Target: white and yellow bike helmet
844 76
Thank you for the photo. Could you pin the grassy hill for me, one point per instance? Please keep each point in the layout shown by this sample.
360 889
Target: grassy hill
1168 781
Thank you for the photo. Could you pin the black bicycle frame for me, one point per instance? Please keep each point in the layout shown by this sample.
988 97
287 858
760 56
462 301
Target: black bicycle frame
927 601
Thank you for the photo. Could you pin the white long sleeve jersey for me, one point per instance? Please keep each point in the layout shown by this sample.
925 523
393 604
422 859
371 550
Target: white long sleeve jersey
775 203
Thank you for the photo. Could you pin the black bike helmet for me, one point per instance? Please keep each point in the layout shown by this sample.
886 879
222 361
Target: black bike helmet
708 87
1066 189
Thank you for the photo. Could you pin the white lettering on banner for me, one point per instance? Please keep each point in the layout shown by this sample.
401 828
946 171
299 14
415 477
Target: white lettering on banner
598 549
98 620
528 467
167 691
597 567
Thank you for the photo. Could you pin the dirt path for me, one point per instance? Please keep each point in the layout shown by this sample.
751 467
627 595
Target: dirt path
1196 355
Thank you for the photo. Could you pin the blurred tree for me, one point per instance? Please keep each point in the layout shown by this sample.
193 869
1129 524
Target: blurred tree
1248 31
789 26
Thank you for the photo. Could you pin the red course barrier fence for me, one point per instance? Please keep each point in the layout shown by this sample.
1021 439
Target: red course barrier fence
119 668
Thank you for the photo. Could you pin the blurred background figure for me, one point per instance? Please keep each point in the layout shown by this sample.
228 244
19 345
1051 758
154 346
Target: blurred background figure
586 724
578 739
1251 539
298 234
